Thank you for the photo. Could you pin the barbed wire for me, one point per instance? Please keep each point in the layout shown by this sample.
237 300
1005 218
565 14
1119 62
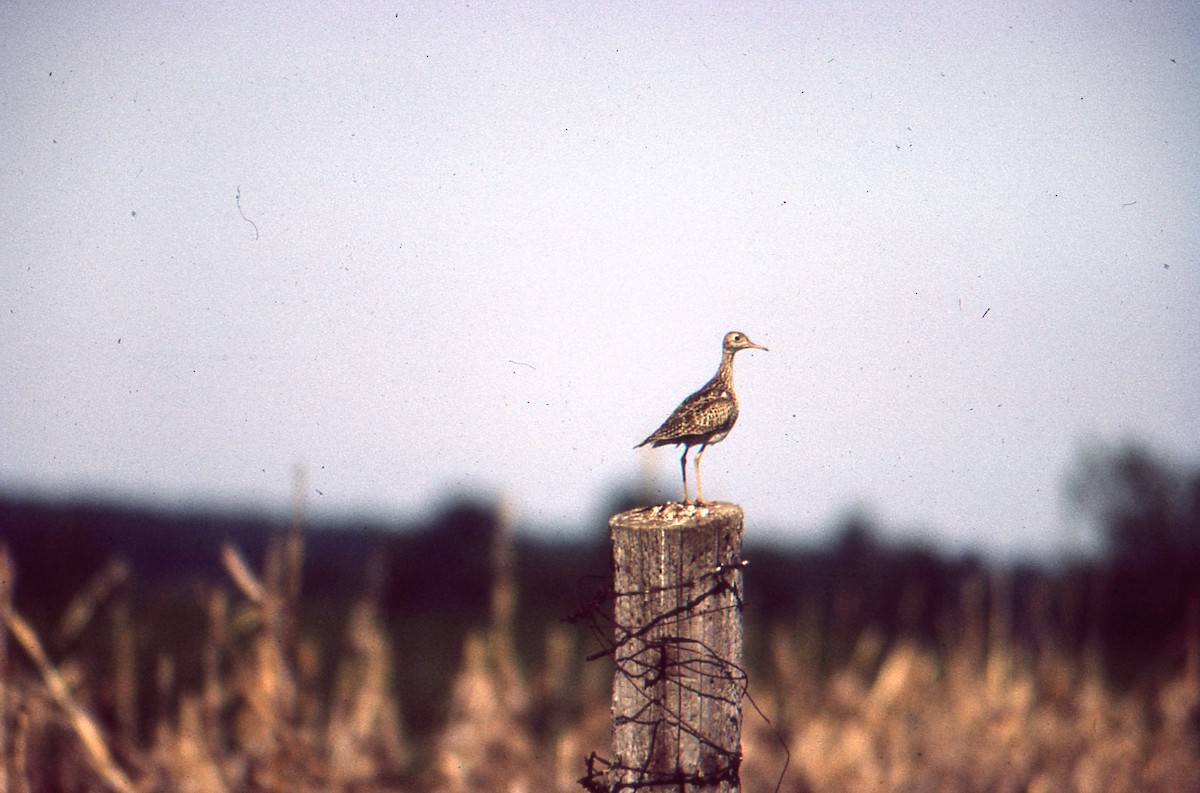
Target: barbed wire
661 661
664 658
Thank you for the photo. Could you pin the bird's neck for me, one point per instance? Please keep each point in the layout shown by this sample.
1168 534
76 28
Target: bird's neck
724 376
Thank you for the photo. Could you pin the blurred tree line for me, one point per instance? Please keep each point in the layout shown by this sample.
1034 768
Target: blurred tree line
1146 510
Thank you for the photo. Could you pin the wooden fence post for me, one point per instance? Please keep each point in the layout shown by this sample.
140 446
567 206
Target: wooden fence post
678 684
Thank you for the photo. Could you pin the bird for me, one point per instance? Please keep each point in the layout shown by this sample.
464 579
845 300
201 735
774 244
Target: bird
706 416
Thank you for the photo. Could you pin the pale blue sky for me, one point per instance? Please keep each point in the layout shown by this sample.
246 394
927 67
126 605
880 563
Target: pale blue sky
968 233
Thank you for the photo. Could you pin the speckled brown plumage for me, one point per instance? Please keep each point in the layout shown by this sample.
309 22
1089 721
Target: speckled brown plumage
706 416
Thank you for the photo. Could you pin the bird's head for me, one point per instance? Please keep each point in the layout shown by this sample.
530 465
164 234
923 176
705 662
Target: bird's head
736 340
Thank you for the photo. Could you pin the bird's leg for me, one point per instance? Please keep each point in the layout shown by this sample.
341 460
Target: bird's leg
699 488
683 467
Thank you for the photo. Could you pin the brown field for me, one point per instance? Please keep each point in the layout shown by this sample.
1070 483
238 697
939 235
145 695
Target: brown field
274 706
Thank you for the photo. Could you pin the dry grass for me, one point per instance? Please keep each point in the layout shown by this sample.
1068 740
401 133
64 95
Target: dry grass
278 711
924 721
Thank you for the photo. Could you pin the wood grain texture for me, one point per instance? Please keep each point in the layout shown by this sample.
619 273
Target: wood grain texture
678 684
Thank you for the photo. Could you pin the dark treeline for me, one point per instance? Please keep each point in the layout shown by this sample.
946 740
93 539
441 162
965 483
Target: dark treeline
444 565
1133 608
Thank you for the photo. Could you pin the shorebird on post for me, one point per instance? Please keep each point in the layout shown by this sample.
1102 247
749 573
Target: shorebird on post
706 416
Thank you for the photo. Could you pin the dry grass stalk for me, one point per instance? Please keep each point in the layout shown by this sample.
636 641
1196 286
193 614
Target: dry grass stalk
484 746
239 570
294 543
487 744
266 684
125 687
999 653
575 704
501 635
365 737
214 694
17 767
85 727
187 758
88 600
6 587
164 688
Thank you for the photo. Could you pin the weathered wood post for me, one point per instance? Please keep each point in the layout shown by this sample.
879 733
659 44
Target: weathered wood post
678 685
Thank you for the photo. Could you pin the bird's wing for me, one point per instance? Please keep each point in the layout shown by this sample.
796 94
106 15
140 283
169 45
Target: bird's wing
711 412
700 414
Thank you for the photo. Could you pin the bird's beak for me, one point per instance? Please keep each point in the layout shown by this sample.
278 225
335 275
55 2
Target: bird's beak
759 347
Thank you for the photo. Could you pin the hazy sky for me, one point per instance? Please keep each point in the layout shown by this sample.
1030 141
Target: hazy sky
424 248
